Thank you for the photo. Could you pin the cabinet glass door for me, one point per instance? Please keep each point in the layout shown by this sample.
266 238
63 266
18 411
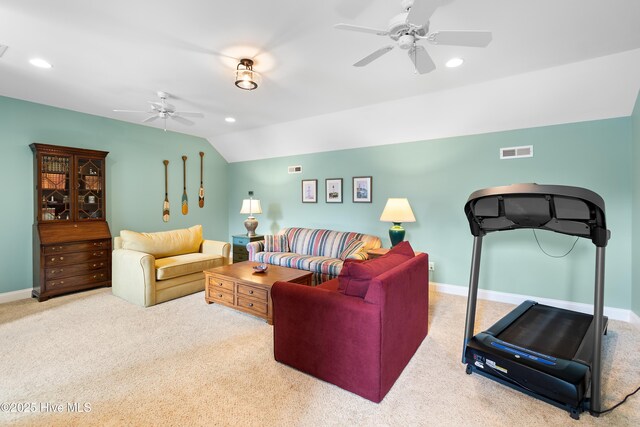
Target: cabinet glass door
54 188
90 189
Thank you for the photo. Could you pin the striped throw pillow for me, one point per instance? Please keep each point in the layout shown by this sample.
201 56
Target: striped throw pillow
354 249
277 243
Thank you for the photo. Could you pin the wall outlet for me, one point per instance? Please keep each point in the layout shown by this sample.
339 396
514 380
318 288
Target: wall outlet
432 266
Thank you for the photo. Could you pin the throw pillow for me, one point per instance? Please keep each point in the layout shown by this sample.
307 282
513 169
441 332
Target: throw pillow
277 243
164 243
354 279
402 248
353 249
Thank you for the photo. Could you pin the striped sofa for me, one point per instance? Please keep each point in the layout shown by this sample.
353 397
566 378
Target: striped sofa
313 249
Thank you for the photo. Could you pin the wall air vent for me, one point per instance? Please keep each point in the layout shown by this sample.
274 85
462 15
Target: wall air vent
3 49
516 152
294 169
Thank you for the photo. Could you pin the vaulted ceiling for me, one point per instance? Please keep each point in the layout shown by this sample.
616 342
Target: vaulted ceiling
117 54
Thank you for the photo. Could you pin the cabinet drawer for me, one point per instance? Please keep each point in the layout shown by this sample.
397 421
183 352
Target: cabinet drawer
84 279
77 247
238 257
240 240
74 270
221 295
257 293
75 258
253 305
216 283
239 249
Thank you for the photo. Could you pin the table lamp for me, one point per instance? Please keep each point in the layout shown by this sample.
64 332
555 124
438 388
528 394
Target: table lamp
251 206
397 211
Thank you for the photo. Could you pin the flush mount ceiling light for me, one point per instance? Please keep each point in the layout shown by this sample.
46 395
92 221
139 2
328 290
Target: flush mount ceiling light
454 62
246 78
40 63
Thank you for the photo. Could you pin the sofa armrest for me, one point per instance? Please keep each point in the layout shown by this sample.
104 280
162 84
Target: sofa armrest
133 276
328 335
254 247
218 248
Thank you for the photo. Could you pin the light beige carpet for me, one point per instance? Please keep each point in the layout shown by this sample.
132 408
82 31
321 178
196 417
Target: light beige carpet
188 363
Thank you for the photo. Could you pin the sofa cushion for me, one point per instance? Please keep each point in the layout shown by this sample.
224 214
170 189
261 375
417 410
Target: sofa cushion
181 265
165 243
278 243
315 264
355 276
327 243
353 249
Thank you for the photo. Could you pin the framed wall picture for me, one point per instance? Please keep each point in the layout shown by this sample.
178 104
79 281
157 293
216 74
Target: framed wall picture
309 191
333 190
362 189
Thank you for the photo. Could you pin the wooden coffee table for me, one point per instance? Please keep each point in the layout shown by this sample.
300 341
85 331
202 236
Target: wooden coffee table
240 287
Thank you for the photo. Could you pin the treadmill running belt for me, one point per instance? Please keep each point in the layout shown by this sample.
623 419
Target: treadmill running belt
548 330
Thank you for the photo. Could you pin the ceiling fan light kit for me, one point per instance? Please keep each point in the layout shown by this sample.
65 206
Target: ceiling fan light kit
246 78
411 26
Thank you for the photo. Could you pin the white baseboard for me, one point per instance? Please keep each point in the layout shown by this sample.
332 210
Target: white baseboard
635 319
15 295
612 312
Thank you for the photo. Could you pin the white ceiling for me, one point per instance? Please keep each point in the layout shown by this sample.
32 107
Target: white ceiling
117 54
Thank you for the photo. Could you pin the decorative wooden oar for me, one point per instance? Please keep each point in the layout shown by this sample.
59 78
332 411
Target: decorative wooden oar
185 200
201 192
165 205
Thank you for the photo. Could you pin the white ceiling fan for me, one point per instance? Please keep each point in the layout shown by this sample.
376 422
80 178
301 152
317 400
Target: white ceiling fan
411 26
164 110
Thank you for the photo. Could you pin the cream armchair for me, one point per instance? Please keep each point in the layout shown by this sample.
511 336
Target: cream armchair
150 268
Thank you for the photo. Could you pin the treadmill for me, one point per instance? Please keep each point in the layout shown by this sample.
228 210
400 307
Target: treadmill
549 353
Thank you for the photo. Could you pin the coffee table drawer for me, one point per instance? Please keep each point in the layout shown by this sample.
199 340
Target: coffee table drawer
252 291
220 295
220 283
253 305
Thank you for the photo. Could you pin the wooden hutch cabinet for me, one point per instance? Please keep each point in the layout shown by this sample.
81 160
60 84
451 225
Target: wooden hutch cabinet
71 237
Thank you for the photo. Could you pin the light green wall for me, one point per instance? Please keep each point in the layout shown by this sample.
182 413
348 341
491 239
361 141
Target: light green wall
635 291
437 176
135 177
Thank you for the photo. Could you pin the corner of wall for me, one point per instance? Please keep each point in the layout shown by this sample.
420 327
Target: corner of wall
635 239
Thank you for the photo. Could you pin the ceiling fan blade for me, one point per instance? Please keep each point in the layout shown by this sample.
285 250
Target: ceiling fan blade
421 59
130 111
361 29
371 57
188 114
461 38
421 11
182 120
150 119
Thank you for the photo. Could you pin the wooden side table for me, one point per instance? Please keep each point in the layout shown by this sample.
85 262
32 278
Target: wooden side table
240 242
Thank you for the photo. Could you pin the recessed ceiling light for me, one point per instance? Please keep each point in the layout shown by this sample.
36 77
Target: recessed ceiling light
40 63
230 119
454 62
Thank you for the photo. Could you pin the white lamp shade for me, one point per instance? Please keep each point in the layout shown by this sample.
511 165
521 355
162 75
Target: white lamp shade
251 206
397 210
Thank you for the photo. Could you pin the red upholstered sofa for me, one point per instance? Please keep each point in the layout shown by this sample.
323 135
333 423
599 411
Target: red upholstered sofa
360 344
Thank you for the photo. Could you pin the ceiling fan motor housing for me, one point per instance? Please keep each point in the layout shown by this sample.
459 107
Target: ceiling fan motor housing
398 27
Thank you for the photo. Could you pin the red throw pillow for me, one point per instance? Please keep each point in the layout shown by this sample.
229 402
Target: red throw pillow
403 248
355 275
